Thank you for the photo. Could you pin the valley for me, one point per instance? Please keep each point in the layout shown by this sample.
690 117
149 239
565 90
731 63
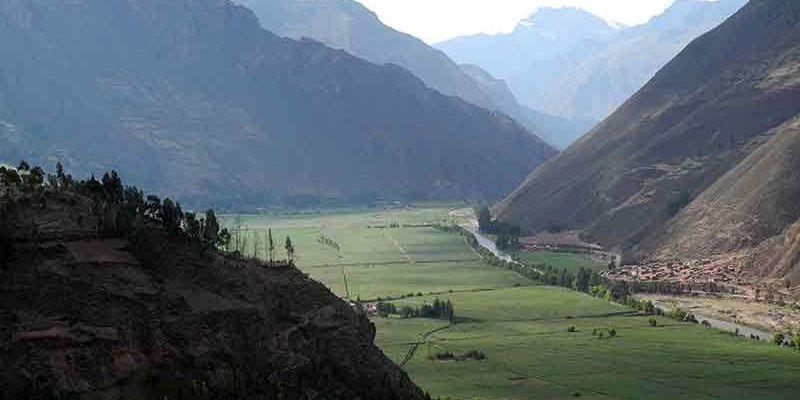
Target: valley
377 200
539 342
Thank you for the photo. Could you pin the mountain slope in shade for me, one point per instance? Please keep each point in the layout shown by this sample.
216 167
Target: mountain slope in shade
558 131
725 96
195 97
349 26
592 71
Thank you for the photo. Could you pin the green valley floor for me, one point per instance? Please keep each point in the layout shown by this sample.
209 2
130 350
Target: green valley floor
539 342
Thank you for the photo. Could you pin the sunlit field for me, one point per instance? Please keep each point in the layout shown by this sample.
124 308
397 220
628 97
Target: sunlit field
523 329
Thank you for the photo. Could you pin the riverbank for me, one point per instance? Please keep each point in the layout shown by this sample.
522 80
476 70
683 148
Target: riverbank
730 313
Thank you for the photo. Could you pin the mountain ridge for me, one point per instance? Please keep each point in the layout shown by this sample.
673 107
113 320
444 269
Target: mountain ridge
592 76
349 26
653 161
209 106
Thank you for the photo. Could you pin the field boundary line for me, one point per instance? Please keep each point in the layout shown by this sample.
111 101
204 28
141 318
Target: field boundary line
367 264
413 350
397 245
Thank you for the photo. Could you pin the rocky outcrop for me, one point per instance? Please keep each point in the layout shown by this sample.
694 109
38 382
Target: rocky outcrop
152 319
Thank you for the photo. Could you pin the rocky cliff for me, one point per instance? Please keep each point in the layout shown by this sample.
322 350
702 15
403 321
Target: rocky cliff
151 318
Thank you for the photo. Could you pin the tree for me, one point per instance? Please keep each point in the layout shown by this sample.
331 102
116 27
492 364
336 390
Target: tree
24 166
152 207
11 177
484 219
171 216
224 239
192 225
211 229
271 246
34 178
779 339
289 249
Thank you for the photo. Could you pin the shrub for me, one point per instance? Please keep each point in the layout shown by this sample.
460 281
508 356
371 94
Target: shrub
653 322
475 355
779 339
444 355
572 329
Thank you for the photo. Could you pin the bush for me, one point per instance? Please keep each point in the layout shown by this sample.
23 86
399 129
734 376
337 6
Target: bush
444 355
779 339
475 355
653 322
572 329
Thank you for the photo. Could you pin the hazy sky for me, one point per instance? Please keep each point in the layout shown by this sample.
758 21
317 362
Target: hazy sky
437 20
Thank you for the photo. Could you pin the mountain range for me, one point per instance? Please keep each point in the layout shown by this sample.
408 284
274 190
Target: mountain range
700 164
194 98
573 64
347 25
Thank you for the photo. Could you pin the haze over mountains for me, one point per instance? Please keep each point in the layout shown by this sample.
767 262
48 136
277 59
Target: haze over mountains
570 63
194 98
349 26
700 163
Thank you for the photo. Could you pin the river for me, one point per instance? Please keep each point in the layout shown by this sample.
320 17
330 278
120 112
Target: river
727 326
471 225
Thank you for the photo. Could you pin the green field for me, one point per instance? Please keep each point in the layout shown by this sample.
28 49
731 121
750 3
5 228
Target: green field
522 329
531 354
570 261
379 261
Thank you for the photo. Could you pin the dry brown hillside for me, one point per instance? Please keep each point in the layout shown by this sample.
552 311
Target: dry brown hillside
729 93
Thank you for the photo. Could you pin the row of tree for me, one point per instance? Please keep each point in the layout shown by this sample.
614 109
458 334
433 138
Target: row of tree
126 210
439 309
324 240
490 226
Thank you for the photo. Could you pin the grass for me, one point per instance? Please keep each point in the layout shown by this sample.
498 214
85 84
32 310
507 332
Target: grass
531 355
522 329
378 261
571 261
394 280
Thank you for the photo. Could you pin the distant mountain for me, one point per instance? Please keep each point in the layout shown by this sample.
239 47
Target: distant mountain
349 26
558 131
700 163
535 41
193 97
594 69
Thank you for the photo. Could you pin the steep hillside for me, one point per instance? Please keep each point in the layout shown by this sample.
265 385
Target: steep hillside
718 101
592 69
558 131
147 315
195 98
347 25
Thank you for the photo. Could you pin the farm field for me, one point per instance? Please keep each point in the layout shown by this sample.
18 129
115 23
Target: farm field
376 259
571 261
531 355
521 328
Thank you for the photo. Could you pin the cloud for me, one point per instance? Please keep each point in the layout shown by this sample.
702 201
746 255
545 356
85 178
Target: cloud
437 20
